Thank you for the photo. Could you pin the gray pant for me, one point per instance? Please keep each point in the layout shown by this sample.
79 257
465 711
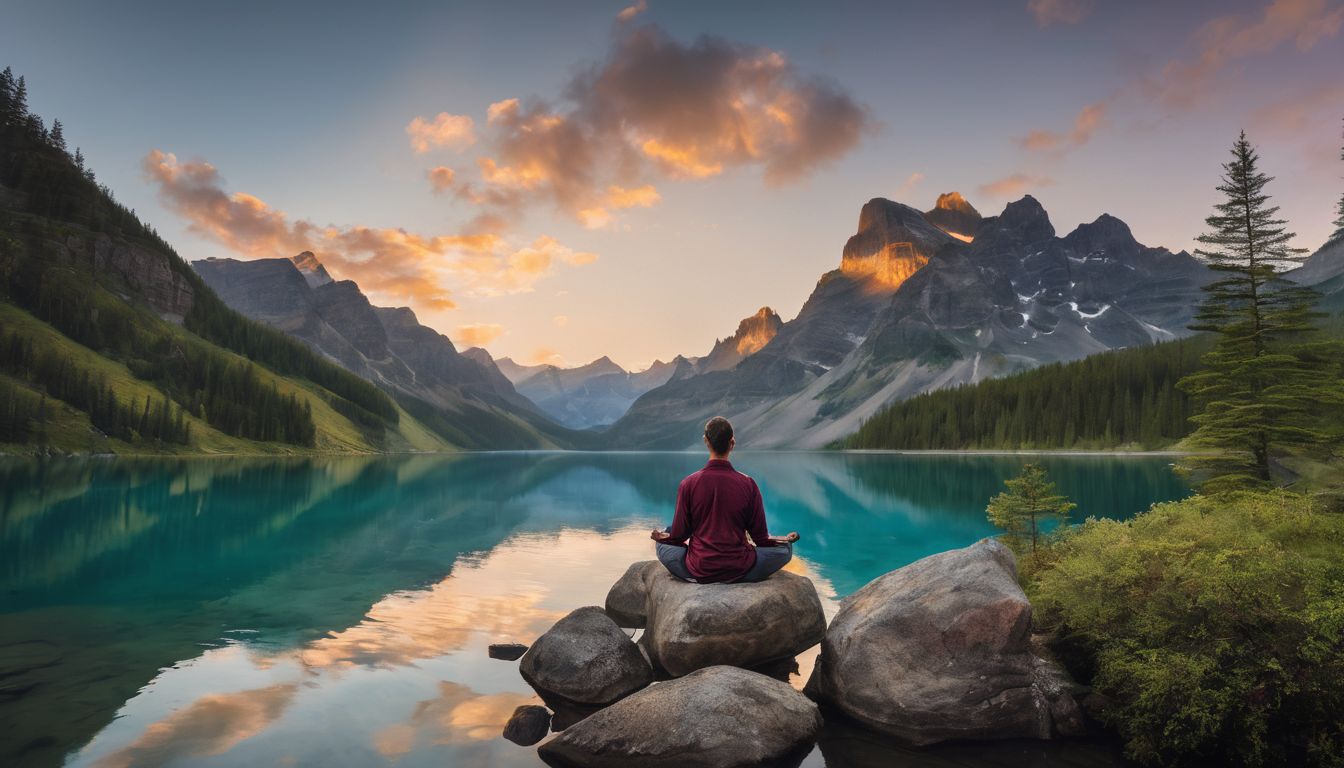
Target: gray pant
768 560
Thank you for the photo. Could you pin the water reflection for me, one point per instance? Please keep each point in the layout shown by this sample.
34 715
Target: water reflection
242 611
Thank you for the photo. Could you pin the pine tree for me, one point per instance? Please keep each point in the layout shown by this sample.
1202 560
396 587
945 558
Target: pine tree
57 135
1255 395
1029 501
1339 222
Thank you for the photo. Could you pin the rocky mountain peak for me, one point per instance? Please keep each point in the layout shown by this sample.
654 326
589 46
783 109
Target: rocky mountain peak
952 214
893 241
313 272
756 331
1106 235
1022 222
953 201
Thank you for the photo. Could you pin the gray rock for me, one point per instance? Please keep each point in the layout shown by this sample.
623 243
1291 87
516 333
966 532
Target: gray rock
625 600
691 626
528 725
586 659
507 651
940 650
719 717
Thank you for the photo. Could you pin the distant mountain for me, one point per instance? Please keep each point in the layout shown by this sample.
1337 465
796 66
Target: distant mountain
1325 264
464 399
913 308
587 396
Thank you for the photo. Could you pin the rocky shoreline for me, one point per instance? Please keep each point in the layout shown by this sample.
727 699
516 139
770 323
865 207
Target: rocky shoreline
939 651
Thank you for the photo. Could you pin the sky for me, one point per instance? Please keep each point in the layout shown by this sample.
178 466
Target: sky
561 181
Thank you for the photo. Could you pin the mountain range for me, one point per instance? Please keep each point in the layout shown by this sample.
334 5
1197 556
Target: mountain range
919 301
463 398
918 304
599 393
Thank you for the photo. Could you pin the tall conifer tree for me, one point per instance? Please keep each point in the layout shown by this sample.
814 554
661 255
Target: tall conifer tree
1256 392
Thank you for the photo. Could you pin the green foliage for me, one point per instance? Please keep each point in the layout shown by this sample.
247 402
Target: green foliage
1267 385
131 422
1123 397
20 412
1029 501
1214 626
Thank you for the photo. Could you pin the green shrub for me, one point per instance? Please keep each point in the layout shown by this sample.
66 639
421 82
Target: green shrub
1214 626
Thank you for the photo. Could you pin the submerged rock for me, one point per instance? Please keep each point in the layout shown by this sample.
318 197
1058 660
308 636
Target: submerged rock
940 650
625 601
718 717
586 659
507 651
528 725
691 626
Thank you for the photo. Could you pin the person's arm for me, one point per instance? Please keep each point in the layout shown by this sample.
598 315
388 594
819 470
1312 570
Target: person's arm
681 520
756 527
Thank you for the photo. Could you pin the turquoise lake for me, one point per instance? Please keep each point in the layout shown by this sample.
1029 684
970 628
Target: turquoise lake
336 611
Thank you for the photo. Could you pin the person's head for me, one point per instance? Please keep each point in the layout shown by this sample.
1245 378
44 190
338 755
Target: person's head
719 436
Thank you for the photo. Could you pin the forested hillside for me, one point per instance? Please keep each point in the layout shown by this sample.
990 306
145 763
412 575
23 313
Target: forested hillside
1126 397
109 341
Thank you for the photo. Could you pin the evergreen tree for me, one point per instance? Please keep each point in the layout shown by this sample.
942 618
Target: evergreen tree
57 136
1339 222
1029 501
1255 394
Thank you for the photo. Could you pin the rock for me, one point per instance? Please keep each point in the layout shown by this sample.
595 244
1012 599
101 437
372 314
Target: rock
719 716
528 725
691 626
507 651
585 659
625 600
940 650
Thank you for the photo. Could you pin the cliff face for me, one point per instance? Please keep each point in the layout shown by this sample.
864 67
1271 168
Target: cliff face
145 272
752 334
892 243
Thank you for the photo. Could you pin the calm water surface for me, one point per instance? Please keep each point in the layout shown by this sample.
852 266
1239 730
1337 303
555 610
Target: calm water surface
227 612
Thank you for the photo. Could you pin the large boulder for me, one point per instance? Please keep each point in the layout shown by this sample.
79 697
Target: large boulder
691 626
585 659
719 717
625 600
940 650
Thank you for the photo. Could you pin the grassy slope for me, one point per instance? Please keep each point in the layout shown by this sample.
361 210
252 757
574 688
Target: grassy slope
70 431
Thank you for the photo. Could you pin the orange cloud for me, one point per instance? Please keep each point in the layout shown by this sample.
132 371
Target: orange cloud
1303 23
546 356
478 334
440 178
210 725
453 131
560 320
630 12
656 108
1084 125
1049 12
1014 185
390 263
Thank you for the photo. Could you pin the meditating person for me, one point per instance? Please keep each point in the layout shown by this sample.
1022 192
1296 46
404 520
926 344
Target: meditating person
717 508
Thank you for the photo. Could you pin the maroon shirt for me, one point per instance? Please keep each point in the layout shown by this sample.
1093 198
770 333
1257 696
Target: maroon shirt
716 508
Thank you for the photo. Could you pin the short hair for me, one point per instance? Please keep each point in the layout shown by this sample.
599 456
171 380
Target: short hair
719 433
